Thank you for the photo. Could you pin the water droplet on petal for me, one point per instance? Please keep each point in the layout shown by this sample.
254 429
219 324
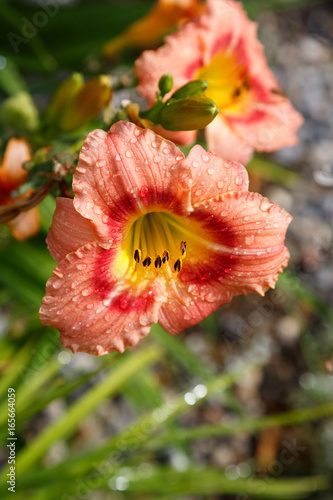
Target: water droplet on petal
129 154
81 266
195 164
157 158
238 180
210 171
166 151
265 205
123 303
57 284
85 292
205 158
155 144
118 158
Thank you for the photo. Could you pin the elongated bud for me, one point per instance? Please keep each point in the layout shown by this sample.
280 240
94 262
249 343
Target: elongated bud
87 103
191 113
63 98
165 84
196 87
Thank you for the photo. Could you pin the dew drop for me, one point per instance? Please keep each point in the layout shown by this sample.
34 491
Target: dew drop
238 180
81 266
123 304
85 292
155 144
205 158
166 151
265 205
136 132
118 158
157 158
220 184
195 164
129 154
57 284
210 171
179 157
90 306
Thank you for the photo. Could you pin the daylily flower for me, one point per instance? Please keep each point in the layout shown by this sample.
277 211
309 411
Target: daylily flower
147 31
221 46
12 176
153 237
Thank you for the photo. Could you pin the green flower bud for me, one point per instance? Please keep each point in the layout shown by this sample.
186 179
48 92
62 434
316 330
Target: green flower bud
19 113
165 84
191 88
63 98
191 113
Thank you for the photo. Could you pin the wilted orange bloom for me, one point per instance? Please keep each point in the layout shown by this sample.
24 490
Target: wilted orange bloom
12 176
147 31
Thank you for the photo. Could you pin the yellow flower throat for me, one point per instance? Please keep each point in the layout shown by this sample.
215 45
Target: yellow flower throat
155 241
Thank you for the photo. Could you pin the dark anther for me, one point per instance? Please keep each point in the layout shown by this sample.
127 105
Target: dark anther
237 92
178 265
158 262
147 261
137 256
165 257
183 247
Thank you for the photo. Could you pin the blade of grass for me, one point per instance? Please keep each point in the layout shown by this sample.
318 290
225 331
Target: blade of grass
139 433
243 425
63 427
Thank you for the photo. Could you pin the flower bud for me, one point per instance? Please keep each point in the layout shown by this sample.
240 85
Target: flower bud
19 113
191 88
191 113
165 84
87 103
63 97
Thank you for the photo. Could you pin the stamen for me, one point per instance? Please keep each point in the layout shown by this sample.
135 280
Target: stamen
183 247
165 257
158 262
178 265
137 255
146 262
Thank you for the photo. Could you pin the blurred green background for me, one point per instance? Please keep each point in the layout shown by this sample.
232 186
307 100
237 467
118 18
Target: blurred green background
237 407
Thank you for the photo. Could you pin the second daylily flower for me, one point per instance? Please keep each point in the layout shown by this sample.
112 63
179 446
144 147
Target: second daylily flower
154 237
221 46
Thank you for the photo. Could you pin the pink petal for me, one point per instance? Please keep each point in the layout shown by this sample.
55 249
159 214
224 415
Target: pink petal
174 317
126 173
227 143
240 250
69 230
95 312
213 176
275 127
152 64
183 138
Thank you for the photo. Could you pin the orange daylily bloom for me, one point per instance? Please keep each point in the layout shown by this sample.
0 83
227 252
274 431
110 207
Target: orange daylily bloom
221 46
12 176
154 237
147 31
